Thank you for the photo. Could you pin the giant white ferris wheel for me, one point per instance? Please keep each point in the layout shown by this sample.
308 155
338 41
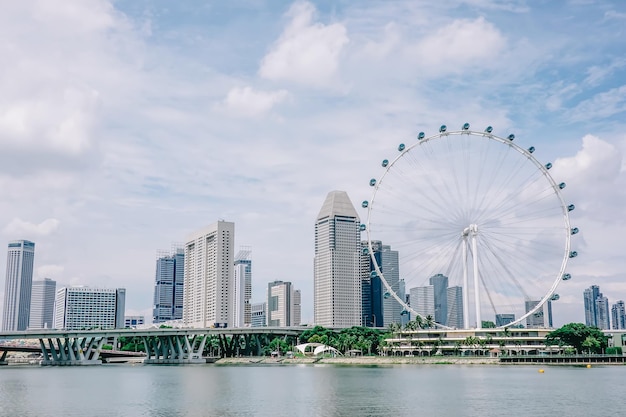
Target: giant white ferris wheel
478 211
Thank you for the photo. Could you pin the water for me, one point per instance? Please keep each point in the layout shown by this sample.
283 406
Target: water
311 390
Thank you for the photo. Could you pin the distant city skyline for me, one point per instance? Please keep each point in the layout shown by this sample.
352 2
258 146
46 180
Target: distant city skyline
18 285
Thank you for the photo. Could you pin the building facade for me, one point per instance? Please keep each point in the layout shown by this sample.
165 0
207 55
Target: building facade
504 318
423 300
542 318
209 276
18 285
169 286
455 307
242 313
603 313
618 314
296 308
42 304
281 304
337 263
259 315
85 308
590 295
132 322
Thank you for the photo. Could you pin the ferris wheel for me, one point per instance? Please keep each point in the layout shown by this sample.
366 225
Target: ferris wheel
480 230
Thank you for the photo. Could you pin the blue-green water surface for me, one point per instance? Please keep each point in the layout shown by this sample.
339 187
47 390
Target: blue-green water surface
312 390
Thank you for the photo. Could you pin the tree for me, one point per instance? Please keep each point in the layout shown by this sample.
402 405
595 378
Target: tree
580 337
488 324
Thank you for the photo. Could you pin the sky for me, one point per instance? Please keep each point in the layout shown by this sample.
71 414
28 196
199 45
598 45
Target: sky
126 125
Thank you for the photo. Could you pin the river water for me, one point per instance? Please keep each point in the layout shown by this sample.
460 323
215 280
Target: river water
312 390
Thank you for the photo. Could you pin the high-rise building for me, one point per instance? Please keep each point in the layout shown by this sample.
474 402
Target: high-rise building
423 300
209 276
440 288
590 295
337 279
454 307
169 286
259 315
504 318
392 309
618 313
242 289
372 288
603 312
132 322
541 318
18 285
296 308
84 308
283 303
42 304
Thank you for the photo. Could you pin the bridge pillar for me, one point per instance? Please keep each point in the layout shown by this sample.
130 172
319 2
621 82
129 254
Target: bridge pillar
174 349
71 351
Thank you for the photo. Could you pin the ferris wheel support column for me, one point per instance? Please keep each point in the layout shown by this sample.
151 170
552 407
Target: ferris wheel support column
474 230
465 286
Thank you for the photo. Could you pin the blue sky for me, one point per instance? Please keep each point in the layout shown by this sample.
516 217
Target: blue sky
126 125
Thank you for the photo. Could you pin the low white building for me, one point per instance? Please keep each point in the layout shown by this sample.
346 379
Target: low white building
84 308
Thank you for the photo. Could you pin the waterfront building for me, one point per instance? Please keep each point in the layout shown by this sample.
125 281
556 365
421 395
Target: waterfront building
259 315
84 308
337 264
242 289
455 307
504 318
283 304
132 322
603 317
209 276
42 304
618 314
18 285
590 295
423 300
169 286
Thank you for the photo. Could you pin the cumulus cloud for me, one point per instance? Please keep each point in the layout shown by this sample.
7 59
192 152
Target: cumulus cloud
247 101
306 52
18 228
461 44
50 271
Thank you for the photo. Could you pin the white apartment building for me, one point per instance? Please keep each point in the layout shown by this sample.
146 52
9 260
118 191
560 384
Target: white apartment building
242 287
337 281
84 308
209 276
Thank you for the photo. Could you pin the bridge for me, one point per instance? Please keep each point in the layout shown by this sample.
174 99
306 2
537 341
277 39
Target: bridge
162 346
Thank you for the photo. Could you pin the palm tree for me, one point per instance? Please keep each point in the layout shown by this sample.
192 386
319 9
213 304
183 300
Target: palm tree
419 321
430 321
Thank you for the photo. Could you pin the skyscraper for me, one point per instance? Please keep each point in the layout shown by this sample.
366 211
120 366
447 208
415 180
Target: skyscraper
209 276
242 313
259 314
296 308
279 304
455 307
590 295
372 288
618 313
168 287
42 304
423 300
504 318
542 318
440 288
18 285
337 280
603 312
85 308
391 270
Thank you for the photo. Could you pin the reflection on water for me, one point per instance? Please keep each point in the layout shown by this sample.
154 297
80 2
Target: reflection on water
310 390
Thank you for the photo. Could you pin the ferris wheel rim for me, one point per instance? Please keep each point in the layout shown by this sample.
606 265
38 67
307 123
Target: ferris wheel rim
490 136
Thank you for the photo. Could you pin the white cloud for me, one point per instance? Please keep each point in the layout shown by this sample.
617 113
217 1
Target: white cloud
18 227
247 101
605 104
460 45
50 271
306 52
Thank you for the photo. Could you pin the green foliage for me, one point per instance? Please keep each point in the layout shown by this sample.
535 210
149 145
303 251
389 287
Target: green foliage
365 339
107 347
486 324
582 338
614 350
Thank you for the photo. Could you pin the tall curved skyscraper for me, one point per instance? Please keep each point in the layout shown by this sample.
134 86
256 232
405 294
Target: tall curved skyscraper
337 279
18 285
